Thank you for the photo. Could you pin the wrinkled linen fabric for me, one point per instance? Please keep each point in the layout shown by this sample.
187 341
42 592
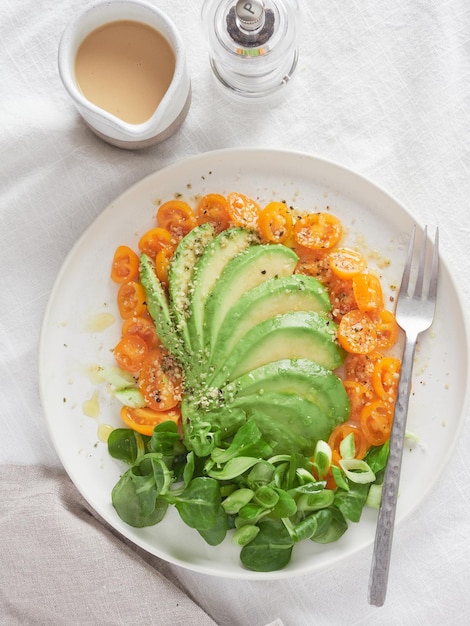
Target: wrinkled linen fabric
61 565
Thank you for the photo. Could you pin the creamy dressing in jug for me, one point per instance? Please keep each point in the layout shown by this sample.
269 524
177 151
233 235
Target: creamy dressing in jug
125 67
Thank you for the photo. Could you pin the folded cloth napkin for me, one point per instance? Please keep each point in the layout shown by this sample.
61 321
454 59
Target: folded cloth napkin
61 565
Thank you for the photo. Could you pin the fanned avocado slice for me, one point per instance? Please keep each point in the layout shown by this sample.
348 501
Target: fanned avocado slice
206 272
180 272
289 423
308 335
247 270
273 297
158 307
299 377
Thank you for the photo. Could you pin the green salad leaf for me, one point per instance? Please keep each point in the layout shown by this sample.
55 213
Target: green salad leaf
271 503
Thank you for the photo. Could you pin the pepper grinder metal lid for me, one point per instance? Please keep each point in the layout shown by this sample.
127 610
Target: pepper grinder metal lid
253 45
251 15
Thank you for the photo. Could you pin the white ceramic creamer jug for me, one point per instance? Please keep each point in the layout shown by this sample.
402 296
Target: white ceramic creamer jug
174 104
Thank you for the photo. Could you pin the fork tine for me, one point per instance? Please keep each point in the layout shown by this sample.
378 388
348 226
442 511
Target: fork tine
405 279
435 269
418 292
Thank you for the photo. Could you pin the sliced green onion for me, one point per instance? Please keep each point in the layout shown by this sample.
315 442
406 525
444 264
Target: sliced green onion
234 502
245 534
338 476
266 496
411 439
305 476
347 448
116 377
130 396
322 458
357 471
374 497
315 501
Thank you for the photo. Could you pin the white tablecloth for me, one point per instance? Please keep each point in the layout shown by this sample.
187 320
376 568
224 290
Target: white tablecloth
381 87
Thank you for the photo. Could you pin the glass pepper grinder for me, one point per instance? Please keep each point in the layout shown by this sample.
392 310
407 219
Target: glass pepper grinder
253 45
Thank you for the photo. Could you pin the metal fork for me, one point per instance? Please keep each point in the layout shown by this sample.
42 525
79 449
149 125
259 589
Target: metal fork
414 313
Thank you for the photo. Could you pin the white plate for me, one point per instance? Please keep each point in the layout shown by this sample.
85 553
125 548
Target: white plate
83 292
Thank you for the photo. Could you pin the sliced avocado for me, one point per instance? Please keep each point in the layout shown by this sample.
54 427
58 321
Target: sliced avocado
157 304
206 272
300 377
289 423
272 297
189 249
300 334
245 271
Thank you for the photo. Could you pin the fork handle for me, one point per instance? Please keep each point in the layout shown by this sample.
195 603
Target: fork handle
386 519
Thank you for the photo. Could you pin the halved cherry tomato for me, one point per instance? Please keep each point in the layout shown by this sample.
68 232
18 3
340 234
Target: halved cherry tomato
356 332
318 231
314 263
275 224
339 433
359 395
244 211
368 292
125 266
155 240
177 217
130 353
387 329
346 263
341 297
131 299
376 422
160 380
213 208
144 420
360 367
162 263
142 327
385 378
